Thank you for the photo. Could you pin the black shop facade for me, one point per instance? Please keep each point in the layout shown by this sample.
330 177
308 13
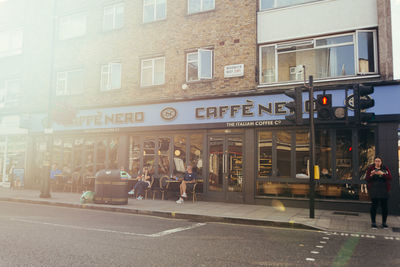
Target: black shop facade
242 148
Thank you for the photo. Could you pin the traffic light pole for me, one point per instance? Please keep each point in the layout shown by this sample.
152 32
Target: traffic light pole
312 146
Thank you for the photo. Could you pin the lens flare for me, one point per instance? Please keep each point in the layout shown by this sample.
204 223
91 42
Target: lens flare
276 204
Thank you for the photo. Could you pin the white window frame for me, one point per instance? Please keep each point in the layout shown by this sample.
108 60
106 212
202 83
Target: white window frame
108 73
314 42
201 7
113 9
200 63
66 21
5 100
155 3
289 5
66 91
13 43
152 67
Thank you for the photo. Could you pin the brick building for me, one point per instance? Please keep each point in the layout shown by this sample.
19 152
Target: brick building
165 84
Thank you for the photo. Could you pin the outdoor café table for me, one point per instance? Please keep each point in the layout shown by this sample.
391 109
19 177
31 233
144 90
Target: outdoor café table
172 187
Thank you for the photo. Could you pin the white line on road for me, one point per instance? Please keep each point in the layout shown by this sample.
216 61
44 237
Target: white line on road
163 233
319 246
314 252
310 259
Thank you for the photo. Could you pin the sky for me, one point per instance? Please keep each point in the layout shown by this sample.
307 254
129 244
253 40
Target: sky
396 37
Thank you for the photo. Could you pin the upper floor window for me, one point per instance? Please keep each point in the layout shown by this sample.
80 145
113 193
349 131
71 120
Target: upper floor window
110 76
72 26
69 82
199 65
269 4
154 10
153 71
11 42
9 93
324 58
113 17
195 6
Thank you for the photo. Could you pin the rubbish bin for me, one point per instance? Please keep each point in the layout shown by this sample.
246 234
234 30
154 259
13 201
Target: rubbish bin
110 188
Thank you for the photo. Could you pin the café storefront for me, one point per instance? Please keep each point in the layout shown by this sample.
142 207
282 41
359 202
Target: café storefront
241 147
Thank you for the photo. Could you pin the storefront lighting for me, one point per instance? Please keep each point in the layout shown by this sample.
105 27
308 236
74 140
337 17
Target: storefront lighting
177 152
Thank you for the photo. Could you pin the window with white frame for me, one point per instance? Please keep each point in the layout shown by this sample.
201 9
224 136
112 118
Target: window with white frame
9 93
69 82
269 4
153 71
154 10
110 76
11 42
324 57
113 17
72 26
196 6
199 65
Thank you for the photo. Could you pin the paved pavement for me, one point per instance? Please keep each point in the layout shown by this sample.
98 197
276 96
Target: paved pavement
277 215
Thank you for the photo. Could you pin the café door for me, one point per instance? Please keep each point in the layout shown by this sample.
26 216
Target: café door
225 168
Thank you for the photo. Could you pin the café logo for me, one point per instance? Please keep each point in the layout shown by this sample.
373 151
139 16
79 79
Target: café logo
169 113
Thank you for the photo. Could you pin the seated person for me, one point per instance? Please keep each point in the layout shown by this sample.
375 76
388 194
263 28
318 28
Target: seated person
188 181
325 173
142 183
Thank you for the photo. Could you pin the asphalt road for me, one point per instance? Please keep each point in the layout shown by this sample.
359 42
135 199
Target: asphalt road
38 235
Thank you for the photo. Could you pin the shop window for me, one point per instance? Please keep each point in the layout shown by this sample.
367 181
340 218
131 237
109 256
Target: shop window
269 4
113 17
101 150
344 163
57 152
149 149
265 154
324 58
199 65
10 93
366 148
163 156
134 156
196 6
113 153
153 72
78 152
283 151
89 168
67 157
196 153
179 155
154 10
323 153
72 26
302 154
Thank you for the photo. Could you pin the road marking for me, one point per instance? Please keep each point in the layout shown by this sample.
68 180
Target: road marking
310 259
163 233
346 251
324 237
314 252
322 242
319 246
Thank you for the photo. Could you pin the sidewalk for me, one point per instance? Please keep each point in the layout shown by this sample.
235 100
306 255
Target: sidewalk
279 216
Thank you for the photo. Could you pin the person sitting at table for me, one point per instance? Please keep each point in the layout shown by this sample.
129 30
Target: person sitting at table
187 183
143 182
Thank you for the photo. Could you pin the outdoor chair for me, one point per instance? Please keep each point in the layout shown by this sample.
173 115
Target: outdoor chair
164 186
156 187
148 189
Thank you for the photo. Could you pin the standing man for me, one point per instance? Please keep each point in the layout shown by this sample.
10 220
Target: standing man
188 182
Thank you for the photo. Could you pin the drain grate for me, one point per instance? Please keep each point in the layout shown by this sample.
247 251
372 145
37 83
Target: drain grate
396 229
345 213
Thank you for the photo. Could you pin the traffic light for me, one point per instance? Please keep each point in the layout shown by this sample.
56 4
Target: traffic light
324 107
363 101
296 106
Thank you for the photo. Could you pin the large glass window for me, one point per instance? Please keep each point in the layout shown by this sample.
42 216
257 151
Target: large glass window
134 155
269 4
265 154
163 155
72 26
344 163
149 155
302 154
179 155
195 6
324 58
69 82
196 153
154 10
153 71
283 151
323 153
199 65
113 17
